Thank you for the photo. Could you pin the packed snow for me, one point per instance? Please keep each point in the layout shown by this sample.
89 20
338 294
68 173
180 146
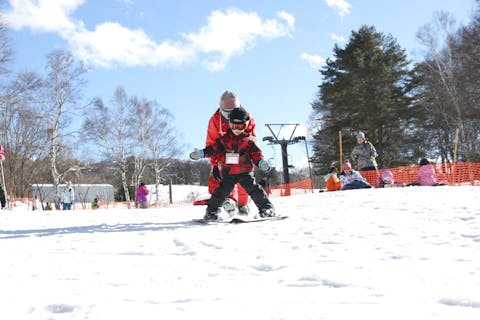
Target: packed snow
394 253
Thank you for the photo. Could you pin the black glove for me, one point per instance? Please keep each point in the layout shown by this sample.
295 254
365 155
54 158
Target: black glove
216 174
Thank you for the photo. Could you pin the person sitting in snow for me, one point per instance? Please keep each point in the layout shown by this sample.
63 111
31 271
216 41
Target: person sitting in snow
352 179
427 175
385 180
238 153
332 182
95 203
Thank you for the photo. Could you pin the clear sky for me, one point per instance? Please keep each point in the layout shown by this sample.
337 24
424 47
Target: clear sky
184 54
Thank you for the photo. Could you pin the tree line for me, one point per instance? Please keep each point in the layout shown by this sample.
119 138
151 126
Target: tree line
407 110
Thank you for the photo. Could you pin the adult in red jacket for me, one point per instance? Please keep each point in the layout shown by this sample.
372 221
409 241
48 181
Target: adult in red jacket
217 127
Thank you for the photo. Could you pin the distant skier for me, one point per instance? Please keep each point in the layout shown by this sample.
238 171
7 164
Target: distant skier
239 154
3 199
68 197
141 196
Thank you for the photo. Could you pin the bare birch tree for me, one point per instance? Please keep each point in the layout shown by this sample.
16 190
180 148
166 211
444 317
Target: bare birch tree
163 143
23 130
155 141
5 48
139 126
439 39
109 129
62 92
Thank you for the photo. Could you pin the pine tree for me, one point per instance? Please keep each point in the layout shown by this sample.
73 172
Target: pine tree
367 87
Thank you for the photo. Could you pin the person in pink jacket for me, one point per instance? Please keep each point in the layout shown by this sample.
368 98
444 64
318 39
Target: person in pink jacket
427 175
141 196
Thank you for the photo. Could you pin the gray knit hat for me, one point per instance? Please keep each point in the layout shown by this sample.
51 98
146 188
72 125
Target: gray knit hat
228 101
360 135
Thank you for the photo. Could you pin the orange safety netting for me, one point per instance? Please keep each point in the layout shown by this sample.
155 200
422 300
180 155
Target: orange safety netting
461 173
293 188
454 174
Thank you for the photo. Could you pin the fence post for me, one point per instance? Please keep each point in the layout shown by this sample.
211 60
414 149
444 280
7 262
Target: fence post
455 157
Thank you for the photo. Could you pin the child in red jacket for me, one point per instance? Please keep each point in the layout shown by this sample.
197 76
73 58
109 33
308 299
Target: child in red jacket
238 155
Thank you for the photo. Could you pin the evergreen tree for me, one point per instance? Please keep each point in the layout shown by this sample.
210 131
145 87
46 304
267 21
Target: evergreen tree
366 87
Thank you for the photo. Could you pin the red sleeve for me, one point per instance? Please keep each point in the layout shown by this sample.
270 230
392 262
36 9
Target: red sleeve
215 127
251 126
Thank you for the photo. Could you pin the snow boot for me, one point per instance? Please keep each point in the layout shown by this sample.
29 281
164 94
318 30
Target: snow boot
267 212
210 215
230 206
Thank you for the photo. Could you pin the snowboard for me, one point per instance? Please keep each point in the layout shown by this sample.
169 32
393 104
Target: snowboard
229 206
239 219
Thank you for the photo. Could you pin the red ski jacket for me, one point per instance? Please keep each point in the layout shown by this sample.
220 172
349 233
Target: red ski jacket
239 153
218 127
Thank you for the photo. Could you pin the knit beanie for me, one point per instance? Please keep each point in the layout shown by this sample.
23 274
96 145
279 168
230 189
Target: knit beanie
360 135
228 101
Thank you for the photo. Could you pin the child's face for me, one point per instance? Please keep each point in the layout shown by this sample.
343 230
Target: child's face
237 131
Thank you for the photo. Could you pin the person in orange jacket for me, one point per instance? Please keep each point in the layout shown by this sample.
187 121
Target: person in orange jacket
332 182
217 127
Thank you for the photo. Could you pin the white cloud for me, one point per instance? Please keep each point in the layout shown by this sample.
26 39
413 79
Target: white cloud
43 15
315 61
227 33
337 38
342 7
288 17
232 32
111 44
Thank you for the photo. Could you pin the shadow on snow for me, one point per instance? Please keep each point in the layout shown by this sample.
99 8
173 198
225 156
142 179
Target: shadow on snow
101 228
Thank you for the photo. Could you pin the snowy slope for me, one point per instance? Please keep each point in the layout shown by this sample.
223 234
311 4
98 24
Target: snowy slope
396 253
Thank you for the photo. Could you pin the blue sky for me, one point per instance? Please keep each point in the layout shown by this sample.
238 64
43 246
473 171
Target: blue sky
184 54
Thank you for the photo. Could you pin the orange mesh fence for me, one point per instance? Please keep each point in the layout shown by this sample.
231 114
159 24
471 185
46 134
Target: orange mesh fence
294 188
461 173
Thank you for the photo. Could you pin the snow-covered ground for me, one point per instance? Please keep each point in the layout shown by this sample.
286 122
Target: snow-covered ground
396 253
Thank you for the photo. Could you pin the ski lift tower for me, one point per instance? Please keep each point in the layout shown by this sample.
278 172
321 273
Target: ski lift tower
283 141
